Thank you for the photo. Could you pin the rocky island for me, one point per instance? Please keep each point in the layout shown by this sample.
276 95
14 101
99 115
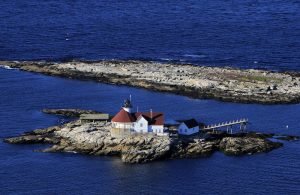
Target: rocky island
93 138
225 84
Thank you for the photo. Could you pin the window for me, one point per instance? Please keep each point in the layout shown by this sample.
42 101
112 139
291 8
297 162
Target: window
185 130
141 125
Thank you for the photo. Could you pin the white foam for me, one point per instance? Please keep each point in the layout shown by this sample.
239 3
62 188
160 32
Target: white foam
166 59
6 67
194 55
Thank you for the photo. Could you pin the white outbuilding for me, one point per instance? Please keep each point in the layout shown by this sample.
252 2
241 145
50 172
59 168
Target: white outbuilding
188 127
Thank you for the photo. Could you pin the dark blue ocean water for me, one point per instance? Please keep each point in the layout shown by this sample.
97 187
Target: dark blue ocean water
248 33
24 94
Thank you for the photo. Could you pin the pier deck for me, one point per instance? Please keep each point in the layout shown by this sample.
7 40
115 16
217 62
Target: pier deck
229 125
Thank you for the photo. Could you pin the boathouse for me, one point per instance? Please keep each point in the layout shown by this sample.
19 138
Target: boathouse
188 127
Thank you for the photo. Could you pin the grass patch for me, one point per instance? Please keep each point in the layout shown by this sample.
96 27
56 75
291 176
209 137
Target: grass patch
264 79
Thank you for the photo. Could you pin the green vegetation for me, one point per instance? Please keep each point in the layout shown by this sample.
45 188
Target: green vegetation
265 79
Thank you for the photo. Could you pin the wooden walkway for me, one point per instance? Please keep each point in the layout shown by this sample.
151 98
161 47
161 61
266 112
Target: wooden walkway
229 125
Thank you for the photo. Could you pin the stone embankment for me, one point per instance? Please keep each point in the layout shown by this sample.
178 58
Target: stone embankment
95 139
226 84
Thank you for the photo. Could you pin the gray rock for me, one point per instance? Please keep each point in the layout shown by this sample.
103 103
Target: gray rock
69 112
225 84
247 145
78 138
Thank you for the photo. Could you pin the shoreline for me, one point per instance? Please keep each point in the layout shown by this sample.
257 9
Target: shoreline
224 84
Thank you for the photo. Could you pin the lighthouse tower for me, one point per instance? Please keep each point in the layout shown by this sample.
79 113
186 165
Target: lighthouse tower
127 106
123 121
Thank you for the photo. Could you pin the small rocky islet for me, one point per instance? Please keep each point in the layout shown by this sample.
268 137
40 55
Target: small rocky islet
93 138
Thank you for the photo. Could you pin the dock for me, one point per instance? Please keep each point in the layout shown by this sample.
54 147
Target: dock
229 125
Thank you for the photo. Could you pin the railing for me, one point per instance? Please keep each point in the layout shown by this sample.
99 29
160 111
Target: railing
242 122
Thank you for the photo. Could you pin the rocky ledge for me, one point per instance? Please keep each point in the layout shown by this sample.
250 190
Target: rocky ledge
69 112
95 139
226 84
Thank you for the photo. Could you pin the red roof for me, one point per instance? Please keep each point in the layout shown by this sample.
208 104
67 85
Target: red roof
123 117
157 117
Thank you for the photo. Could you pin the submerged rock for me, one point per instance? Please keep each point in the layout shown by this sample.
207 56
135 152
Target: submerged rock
287 137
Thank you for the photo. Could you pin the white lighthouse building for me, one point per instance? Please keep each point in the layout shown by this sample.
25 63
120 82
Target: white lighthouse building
125 122
124 119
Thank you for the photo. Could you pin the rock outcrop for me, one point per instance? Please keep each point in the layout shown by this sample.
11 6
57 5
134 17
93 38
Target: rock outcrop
95 139
192 148
37 136
246 145
225 84
69 112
